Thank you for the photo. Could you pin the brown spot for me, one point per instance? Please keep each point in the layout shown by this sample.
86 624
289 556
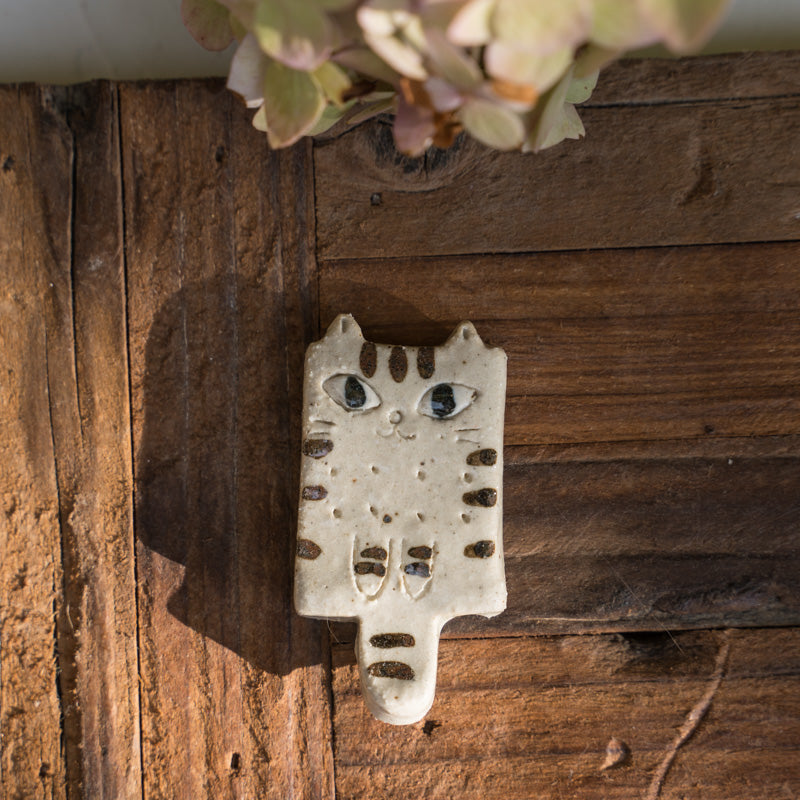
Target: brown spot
482 458
368 360
420 552
374 552
317 448
426 362
398 364
481 549
391 669
418 568
617 753
308 549
370 568
314 493
386 640
481 497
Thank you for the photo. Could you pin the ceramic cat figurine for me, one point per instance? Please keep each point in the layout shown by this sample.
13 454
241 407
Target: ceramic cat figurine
400 521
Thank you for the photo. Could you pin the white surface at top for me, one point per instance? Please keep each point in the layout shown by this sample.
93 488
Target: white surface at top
67 41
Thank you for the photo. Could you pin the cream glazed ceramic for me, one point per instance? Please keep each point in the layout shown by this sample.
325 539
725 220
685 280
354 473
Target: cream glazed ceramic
400 521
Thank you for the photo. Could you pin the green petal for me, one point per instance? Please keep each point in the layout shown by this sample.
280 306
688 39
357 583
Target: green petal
298 34
492 124
548 115
209 22
518 64
363 60
621 25
580 89
451 63
471 26
400 56
542 25
592 58
330 116
685 25
567 125
293 102
333 81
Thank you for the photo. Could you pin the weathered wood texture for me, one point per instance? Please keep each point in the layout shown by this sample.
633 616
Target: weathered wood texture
71 524
161 273
677 342
161 658
706 714
234 686
656 168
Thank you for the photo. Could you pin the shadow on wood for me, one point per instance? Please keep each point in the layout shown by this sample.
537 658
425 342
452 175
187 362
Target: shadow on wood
214 489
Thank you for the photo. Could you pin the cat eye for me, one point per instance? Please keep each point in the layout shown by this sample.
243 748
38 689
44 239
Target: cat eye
351 393
445 400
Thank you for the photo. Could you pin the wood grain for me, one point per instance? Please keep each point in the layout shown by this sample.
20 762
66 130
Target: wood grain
234 697
531 718
754 75
622 542
699 178
158 286
91 434
33 244
690 342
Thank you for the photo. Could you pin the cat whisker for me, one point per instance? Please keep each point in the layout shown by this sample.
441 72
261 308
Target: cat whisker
322 422
465 430
464 439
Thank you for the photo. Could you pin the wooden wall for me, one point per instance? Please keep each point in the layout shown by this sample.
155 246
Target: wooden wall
161 273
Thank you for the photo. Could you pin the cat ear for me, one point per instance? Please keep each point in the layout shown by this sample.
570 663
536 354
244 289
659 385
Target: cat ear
464 333
346 326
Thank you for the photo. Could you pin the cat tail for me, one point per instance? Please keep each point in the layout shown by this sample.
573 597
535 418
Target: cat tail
397 666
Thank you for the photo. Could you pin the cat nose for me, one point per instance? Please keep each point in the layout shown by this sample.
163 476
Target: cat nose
395 417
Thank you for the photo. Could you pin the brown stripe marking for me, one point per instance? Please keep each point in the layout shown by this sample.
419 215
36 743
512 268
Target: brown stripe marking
374 552
482 458
398 364
420 552
370 568
418 568
317 448
308 549
314 493
426 362
368 360
481 497
391 669
481 549
387 640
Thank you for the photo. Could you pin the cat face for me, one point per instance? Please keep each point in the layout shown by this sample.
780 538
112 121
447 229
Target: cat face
401 500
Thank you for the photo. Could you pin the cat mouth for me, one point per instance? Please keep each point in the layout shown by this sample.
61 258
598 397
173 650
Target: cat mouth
406 436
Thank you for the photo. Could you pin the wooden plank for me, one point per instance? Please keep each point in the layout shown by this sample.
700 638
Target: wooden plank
33 233
91 432
646 544
702 714
640 544
234 698
717 77
680 173
77 271
696 342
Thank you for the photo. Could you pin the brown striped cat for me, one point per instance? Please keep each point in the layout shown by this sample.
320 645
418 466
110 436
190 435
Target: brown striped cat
400 522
